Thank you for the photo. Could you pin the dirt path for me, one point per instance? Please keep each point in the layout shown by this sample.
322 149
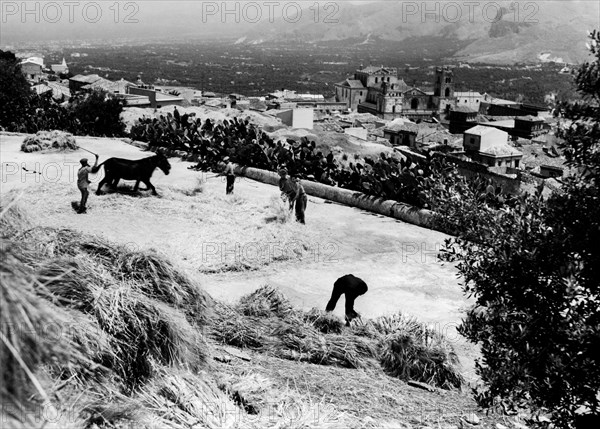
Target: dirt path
230 234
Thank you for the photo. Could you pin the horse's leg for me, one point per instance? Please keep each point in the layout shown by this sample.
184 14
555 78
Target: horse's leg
102 183
115 182
137 185
150 186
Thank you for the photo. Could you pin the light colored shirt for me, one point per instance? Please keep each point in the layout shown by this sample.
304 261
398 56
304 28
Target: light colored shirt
83 177
229 169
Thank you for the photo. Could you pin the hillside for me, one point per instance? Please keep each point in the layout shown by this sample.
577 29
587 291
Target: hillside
521 33
137 264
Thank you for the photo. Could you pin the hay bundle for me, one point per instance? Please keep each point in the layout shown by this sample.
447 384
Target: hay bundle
302 342
13 218
365 329
140 329
43 140
387 325
265 301
402 357
150 273
157 278
73 283
324 322
236 330
67 242
24 340
144 330
94 343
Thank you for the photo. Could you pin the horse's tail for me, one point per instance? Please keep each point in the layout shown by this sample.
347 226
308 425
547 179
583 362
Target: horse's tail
96 168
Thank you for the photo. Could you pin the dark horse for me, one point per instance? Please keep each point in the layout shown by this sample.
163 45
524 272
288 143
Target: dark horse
139 170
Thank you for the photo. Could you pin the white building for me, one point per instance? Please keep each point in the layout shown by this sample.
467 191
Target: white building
490 146
297 118
470 99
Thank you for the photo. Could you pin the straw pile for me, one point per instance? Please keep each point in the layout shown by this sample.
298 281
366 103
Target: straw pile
22 314
80 307
265 321
141 328
405 348
265 301
43 140
323 321
233 328
410 350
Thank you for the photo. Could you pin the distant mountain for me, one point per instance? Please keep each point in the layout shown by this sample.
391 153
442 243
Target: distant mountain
491 31
513 32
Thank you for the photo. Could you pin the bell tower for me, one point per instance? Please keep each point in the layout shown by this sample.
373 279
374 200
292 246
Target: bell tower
444 82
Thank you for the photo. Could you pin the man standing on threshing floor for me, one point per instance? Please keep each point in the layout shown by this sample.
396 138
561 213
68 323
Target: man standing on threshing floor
83 182
229 173
352 287
293 190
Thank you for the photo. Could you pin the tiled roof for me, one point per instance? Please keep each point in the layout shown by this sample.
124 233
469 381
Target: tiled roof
351 83
506 123
401 86
467 94
402 124
529 118
464 109
354 83
375 69
481 130
503 149
90 78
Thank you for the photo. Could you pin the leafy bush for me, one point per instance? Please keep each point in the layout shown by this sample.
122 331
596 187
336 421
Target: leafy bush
97 114
16 96
533 270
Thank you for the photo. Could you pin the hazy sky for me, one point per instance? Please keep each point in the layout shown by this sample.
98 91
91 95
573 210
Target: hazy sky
110 19
75 19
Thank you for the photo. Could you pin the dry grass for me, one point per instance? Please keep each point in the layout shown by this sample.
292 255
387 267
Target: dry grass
198 188
265 301
31 331
81 306
230 327
280 210
264 320
24 318
141 328
404 347
130 318
410 350
401 356
214 234
43 140
325 322
179 399
157 278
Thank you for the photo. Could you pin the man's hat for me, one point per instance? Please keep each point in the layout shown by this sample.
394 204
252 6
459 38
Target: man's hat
84 161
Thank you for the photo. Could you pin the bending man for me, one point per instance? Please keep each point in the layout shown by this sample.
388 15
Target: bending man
350 286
